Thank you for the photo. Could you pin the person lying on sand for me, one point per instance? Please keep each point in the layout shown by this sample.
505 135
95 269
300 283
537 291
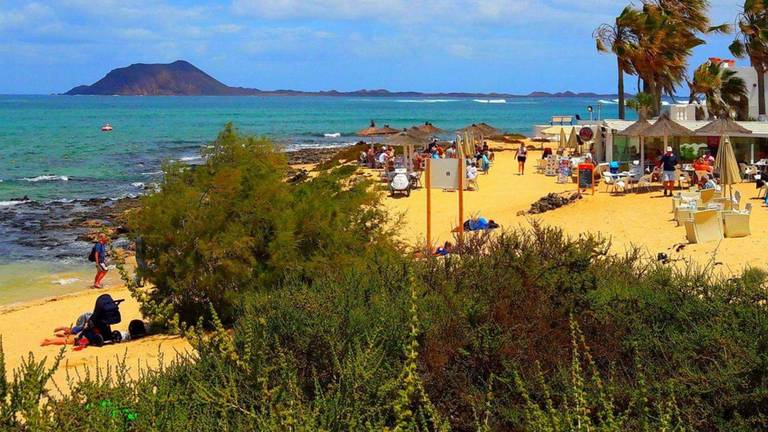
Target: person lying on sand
65 335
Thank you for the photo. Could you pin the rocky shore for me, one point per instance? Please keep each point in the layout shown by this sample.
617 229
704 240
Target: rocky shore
64 229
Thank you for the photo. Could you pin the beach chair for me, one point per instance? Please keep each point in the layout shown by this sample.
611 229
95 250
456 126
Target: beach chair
415 177
705 226
608 180
644 182
684 177
541 166
684 214
736 224
707 195
683 199
763 191
473 184
748 172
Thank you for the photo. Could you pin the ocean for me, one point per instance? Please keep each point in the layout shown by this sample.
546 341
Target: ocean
53 154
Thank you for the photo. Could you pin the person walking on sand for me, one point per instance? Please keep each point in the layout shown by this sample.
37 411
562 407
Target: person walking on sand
99 255
669 163
522 154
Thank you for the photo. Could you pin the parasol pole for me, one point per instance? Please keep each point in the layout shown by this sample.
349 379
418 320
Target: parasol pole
429 204
462 174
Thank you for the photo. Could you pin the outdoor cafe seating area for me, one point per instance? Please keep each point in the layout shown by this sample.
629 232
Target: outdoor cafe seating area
707 215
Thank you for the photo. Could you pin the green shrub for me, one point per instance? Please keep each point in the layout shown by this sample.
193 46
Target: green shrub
233 225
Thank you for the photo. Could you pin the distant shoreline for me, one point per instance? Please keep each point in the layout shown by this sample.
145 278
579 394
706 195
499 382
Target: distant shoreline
356 94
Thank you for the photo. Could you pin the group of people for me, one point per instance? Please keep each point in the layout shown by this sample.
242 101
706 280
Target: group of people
384 156
703 167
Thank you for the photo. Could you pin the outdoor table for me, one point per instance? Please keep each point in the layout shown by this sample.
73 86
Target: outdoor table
624 175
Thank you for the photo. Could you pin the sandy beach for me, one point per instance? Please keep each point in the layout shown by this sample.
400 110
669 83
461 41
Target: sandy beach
25 325
640 219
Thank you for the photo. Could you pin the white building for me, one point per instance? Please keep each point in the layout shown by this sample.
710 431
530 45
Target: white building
748 74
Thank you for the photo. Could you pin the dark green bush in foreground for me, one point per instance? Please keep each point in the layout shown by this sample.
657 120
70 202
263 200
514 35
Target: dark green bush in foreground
334 329
535 332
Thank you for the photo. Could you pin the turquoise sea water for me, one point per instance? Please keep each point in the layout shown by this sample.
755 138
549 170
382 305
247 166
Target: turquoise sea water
51 147
52 151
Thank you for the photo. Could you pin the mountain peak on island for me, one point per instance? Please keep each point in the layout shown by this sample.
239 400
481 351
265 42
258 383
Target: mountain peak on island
182 78
179 78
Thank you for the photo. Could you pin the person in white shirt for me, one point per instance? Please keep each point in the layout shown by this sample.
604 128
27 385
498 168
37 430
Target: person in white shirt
472 171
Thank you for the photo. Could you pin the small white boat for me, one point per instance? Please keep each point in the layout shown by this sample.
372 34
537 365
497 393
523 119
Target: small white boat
106 128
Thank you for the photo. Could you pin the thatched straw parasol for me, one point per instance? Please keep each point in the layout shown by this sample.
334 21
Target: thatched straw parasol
726 165
637 129
369 131
481 129
723 127
665 128
429 128
408 139
387 130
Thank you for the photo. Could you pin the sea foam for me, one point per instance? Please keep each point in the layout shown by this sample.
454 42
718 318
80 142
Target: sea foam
46 178
491 101
12 203
426 100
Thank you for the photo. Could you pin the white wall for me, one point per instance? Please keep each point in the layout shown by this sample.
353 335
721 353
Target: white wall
749 76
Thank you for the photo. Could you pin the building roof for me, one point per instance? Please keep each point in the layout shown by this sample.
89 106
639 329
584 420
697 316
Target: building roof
758 129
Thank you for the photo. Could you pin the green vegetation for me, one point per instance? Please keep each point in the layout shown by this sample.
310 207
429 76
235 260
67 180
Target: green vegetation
725 92
232 226
527 330
653 41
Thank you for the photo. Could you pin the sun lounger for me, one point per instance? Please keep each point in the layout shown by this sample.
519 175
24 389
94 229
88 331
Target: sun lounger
705 226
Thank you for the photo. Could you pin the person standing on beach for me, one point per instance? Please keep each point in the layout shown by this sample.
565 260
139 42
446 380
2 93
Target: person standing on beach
669 163
522 154
99 253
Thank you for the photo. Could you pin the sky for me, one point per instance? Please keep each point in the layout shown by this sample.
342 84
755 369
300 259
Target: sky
510 46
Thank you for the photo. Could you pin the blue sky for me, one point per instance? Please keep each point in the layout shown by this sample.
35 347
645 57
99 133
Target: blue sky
513 46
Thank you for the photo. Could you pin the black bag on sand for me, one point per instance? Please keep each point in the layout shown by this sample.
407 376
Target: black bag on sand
92 255
137 329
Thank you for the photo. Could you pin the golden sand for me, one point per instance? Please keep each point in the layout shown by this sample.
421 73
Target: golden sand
641 219
24 326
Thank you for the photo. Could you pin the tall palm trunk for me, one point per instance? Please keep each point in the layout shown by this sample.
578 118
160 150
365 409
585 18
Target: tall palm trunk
622 108
760 90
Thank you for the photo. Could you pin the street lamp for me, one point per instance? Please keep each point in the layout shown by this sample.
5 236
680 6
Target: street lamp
589 109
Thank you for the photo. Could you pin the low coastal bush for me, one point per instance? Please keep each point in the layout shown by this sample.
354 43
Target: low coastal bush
330 327
231 226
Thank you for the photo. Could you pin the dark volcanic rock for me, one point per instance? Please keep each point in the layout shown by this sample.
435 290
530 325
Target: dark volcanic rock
311 155
179 78
553 201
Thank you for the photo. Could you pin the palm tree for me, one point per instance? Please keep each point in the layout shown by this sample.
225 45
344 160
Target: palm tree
665 32
642 103
752 41
725 92
616 38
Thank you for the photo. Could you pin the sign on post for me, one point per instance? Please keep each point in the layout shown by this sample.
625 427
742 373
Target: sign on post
445 173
